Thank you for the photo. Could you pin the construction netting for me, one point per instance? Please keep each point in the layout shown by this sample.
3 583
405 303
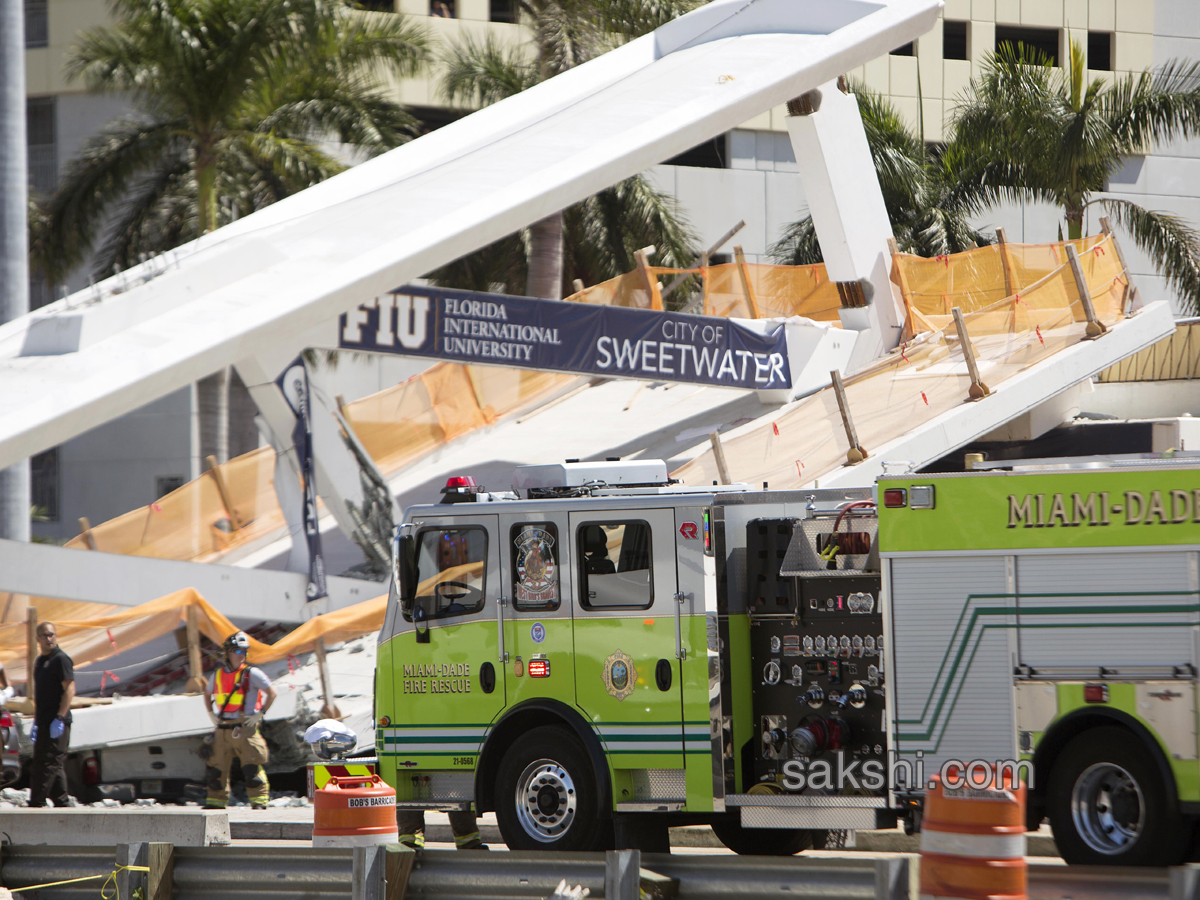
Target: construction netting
1034 281
926 376
106 631
224 508
732 290
1174 358
401 424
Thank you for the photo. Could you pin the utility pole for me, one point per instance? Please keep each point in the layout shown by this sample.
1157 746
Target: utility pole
14 240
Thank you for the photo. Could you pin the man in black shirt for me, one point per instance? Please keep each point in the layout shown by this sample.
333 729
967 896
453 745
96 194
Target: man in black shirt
54 689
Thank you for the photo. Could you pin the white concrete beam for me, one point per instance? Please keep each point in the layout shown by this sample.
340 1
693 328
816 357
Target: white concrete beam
43 570
852 224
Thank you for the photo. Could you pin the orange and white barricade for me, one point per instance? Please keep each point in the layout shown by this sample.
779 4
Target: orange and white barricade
973 840
354 811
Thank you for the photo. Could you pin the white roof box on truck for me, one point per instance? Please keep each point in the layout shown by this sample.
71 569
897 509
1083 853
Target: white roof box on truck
577 474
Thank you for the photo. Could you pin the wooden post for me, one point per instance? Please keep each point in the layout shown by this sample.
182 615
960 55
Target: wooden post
1005 263
215 471
398 870
195 682
31 649
329 710
751 301
85 530
978 389
856 453
719 456
160 859
905 291
702 261
1127 292
1095 327
643 263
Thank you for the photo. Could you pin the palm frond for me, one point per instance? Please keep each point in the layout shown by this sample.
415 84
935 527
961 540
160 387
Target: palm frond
485 71
798 245
1169 241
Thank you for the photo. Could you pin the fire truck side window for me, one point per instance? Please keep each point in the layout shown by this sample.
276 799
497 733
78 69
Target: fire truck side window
615 565
450 571
534 550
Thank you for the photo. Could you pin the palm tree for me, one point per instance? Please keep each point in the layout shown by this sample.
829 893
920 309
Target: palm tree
595 239
1028 131
925 201
232 100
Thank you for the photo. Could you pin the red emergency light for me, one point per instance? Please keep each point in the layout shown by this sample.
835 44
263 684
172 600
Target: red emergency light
460 481
895 498
1095 693
539 668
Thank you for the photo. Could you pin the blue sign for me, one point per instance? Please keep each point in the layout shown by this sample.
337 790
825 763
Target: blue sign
538 632
471 327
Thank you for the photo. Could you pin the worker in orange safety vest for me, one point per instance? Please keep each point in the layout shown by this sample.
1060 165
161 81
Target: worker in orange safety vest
237 697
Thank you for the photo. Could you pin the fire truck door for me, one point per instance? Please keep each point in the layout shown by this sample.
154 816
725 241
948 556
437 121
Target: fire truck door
626 674
535 566
449 681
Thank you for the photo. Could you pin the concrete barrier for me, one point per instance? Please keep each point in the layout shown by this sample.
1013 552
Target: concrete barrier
183 827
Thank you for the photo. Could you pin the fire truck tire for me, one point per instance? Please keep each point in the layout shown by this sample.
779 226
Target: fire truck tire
766 841
546 797
1108 804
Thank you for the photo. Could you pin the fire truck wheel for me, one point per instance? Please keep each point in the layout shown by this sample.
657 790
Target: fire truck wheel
546 794
1108 804
765 841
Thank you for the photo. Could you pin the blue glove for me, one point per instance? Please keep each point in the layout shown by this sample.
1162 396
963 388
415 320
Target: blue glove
57 727
33 733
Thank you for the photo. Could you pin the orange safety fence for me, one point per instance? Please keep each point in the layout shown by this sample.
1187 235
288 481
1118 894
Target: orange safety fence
918 381
1033 279
193 521
101 635
774 291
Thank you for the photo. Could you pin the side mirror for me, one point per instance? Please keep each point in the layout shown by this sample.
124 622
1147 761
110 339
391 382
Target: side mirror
403 568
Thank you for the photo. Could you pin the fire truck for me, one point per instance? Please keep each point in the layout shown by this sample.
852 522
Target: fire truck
600 653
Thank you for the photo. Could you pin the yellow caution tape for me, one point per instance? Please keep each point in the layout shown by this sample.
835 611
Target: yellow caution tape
111 876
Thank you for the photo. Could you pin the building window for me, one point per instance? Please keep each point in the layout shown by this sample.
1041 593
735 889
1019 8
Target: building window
1099 51
954 39
443 9
502 11
43 154
165 484
37 29
909 49
614 565
1042 39
379 5
43 470
712 154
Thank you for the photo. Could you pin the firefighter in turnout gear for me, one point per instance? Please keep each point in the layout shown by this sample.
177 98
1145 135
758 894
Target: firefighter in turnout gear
237 697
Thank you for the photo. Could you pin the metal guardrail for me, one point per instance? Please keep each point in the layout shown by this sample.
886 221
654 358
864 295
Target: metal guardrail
267 872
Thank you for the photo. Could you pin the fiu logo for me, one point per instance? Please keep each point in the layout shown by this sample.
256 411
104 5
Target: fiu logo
396 320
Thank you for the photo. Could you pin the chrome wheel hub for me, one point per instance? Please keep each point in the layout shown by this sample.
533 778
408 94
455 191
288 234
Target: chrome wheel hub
545 800
1107 808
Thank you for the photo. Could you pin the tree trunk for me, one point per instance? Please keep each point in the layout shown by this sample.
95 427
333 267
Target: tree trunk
546 258
212 399
1074 224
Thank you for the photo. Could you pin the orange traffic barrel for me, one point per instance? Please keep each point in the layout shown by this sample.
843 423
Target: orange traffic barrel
973 838
354 811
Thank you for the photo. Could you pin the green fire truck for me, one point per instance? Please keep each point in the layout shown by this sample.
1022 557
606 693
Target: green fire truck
601 653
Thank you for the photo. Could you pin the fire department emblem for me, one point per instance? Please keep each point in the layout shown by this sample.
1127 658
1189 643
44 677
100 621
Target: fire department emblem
620 676
537 573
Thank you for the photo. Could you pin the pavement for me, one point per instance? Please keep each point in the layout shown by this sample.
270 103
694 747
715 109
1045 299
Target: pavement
295 824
